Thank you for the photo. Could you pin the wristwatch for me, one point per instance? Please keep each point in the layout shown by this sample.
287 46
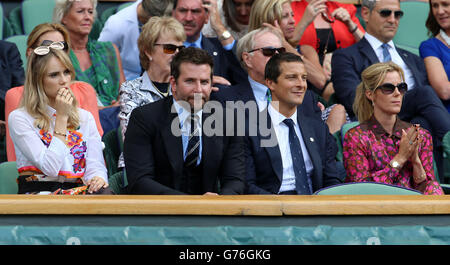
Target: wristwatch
225 35
394 164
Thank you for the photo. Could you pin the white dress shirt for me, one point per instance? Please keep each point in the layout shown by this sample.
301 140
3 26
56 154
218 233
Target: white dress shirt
81 156
122 29
282 133
376 46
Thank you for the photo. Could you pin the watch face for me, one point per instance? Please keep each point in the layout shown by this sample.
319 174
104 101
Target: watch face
226 34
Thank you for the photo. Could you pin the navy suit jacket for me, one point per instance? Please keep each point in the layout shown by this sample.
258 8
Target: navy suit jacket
11 71
264 163
225 62
243 92
347 65
154 154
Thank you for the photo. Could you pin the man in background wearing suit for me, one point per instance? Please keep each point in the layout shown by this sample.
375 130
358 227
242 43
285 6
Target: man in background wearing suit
193 15
168 147
253 51
297 156
421 104
11 75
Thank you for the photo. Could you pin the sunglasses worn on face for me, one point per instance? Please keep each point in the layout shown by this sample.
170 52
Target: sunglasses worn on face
269 51
170 48
387 13
389 88
45 49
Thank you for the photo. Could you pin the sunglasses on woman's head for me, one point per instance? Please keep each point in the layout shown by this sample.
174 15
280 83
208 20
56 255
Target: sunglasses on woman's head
269 51
387 13
49 42
389 88
170 48
45 49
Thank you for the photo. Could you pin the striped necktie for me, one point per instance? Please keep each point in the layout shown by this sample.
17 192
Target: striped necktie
193 148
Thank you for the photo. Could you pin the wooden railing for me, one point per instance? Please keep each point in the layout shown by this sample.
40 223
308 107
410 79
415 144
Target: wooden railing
245 205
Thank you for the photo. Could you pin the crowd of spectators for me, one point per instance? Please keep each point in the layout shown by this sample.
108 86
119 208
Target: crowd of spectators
302 69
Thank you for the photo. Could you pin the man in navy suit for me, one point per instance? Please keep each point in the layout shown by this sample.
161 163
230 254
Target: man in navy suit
194 14
291 153
170 147
11 75
421 104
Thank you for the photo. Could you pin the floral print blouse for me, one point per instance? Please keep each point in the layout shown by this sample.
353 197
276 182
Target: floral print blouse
78 159
368 149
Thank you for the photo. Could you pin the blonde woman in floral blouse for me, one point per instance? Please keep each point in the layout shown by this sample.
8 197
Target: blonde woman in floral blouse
161 38
57 144
383 148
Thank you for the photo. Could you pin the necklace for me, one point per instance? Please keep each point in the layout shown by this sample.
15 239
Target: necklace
445 37
159 91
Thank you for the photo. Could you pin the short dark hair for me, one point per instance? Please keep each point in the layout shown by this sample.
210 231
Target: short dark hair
190 55
272 70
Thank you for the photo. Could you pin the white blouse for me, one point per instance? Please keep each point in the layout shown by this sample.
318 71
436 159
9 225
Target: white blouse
80 157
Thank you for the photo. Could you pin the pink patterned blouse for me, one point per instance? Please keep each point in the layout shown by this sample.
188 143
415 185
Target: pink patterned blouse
368 149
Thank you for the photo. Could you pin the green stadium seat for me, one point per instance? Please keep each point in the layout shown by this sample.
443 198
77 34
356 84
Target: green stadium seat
8 178
15 20
35 12
107 13
366 188
21 42
124 5
2 18
412 31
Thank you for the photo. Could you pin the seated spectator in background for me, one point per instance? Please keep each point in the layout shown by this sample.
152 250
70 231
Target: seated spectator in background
97 63
436 51
43 35
57 144
123 29
193 15
11 75
254 50
234 14
326 26
161 38
384 148
168 148
278 15
297 157
420 104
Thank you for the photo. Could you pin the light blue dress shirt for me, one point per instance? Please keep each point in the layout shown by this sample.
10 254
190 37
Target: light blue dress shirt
183 114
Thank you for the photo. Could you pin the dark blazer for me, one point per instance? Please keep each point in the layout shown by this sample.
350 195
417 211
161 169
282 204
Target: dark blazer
226 64
420 105
11 71
243 91
264 164
347 65
154 155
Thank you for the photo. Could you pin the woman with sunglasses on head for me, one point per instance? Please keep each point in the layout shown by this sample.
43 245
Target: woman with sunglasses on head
383 148
95 62
57 144
44 35
436 51
161 38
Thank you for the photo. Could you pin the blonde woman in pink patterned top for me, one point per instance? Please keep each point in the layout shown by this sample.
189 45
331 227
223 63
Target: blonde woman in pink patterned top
384 148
